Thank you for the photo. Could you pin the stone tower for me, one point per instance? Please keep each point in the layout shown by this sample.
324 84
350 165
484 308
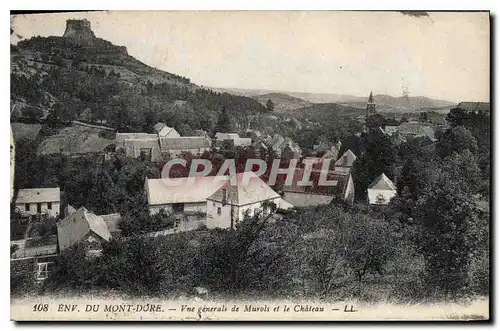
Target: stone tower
370 106
79 30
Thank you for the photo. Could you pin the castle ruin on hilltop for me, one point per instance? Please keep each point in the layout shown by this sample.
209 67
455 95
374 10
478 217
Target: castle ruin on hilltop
79 30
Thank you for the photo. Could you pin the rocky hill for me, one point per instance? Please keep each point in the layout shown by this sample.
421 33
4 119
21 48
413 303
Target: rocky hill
81 76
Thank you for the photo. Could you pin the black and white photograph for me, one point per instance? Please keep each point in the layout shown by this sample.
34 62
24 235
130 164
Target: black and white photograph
250 166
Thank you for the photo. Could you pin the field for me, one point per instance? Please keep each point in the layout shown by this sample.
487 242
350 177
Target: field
25 131
77 140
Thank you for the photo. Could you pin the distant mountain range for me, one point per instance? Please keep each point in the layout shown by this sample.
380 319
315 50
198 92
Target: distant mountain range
283 103
287 101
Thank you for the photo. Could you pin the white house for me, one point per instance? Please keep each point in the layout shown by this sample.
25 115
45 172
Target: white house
34 201
190 195
82 226
381 191
176 146
234 137
213 199
345 162
231 203
165 131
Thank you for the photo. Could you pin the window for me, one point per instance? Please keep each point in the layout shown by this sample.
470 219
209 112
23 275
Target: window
49 205
178 207
39 208
27 207
219 211
146 154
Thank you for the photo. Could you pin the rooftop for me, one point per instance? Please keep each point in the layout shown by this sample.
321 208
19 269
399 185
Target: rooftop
184 143
75 227
35 195
382 182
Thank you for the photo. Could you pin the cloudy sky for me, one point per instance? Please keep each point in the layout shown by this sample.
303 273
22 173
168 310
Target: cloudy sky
443 55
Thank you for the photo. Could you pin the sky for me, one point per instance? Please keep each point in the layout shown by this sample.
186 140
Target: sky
443 55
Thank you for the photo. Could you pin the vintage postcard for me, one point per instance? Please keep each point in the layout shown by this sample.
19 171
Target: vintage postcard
250 166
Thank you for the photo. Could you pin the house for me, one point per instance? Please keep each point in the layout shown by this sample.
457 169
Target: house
211 201
415 129
39 200
165 131
285 147
381 191
332 153
82 226
136 145
234 137
390 129
317 194
231 203
189 196
193 145
345 162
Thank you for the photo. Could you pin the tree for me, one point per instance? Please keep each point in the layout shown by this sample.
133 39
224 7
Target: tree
378 157
445 214
370 246
375 121
33 113
457 140
270 105
224 121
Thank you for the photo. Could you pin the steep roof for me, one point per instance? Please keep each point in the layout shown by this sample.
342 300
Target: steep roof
75 227
347 159
197 190
242 193
474 106
382 182
184 143
35 195
370 98
111 221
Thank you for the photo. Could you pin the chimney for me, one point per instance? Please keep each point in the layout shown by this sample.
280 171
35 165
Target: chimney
224 196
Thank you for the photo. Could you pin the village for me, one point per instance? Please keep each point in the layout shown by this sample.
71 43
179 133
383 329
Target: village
206 203
129 179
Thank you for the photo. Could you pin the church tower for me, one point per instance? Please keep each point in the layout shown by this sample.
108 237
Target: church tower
370 106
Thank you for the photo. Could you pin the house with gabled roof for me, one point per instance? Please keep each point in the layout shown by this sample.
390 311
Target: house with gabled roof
381 190
345 162
137 145
415 129
33 201
340 188
165 131
218 202
177 146
82 226
231 203
235 138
